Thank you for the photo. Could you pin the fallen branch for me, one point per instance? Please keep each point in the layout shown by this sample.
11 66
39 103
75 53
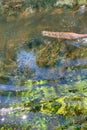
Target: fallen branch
63 35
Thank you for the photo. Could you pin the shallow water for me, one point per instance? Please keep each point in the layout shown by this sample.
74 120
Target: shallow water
43 81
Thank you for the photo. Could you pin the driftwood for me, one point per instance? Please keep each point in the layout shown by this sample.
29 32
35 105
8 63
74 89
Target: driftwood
64 35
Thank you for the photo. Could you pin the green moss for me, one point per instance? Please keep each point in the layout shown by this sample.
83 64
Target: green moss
48 54
45 101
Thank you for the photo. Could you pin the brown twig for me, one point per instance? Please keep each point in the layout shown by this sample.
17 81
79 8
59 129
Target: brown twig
63 35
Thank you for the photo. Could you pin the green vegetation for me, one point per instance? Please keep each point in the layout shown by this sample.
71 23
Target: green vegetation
40 3
21 9
43 104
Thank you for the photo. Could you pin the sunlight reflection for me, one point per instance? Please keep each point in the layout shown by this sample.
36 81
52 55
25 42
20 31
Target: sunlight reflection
24 117
3 119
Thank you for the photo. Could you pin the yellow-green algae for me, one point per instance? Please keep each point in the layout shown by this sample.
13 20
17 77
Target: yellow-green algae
70 101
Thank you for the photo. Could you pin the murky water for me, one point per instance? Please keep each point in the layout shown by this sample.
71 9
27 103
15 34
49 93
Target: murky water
43 81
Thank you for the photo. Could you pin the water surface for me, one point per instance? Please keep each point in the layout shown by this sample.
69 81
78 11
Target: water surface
43 81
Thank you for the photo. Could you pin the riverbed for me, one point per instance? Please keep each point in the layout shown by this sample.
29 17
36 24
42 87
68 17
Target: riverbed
43 81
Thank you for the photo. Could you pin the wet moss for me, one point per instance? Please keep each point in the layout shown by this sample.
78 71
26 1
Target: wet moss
35 42
47 55
4 79
78 53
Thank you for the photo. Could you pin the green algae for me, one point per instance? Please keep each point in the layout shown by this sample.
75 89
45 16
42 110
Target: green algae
48 104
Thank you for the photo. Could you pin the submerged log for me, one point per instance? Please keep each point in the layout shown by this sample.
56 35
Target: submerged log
64 35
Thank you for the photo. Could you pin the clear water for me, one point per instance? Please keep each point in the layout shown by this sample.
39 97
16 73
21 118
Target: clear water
43 81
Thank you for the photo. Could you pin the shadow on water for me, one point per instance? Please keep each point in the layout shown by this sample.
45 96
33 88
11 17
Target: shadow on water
43 81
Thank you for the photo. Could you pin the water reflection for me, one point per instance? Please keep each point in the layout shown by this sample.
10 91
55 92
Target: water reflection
79 43
4 87
52 122
24 117
27 61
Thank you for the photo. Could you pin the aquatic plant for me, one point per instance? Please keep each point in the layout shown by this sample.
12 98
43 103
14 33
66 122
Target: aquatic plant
41 103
